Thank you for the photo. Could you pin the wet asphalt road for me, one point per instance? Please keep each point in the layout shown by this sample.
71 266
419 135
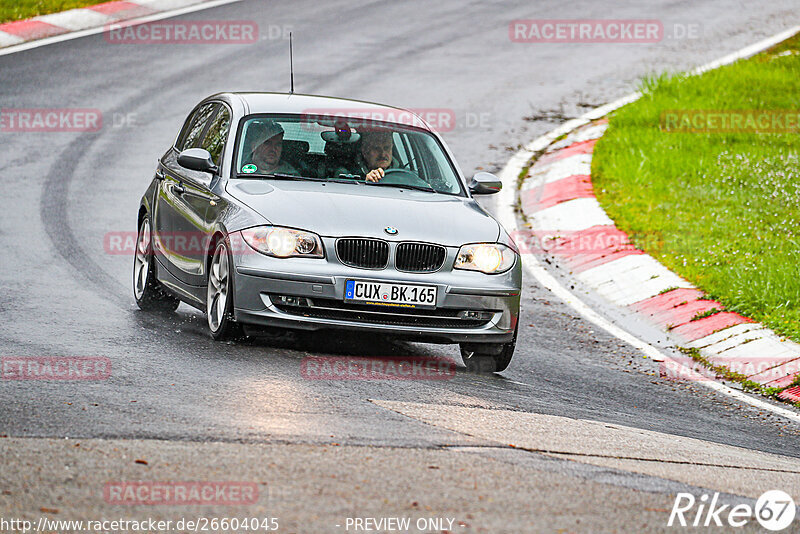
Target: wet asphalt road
62 294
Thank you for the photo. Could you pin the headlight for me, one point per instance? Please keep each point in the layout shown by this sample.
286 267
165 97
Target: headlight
489 258
283 242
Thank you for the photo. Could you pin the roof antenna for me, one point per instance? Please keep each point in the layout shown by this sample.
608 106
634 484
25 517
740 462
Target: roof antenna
291 65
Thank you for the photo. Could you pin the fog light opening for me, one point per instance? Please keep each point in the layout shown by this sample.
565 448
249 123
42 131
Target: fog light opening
288 300
473 315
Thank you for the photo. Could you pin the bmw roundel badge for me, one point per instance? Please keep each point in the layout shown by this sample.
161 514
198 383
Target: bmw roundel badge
391 230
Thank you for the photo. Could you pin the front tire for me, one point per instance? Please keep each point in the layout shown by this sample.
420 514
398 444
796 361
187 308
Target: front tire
219 299
489 357
148 292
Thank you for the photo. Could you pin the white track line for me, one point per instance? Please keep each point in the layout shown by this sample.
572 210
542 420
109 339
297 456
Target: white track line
100 29
507 216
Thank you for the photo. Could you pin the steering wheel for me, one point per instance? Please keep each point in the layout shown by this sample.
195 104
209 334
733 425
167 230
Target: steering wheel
403 177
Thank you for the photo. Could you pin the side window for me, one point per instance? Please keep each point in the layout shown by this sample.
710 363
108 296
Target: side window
191 136
217 134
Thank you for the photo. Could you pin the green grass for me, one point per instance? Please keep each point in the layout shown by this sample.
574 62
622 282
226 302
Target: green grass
720 209
23 9
707 313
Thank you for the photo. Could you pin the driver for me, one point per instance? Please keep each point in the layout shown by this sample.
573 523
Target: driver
375 156
265 144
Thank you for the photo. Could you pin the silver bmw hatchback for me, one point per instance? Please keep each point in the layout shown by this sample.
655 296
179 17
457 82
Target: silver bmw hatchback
308 212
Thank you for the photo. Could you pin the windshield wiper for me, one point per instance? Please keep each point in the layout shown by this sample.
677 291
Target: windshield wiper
347 179
282 176
405 186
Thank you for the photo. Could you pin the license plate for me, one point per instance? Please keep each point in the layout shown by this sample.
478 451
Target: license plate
383 294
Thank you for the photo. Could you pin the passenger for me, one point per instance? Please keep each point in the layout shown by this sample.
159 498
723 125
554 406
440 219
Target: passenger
264 142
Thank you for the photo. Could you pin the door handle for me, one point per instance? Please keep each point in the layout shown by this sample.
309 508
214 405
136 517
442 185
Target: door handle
179 188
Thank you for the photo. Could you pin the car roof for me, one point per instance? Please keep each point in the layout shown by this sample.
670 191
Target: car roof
326 105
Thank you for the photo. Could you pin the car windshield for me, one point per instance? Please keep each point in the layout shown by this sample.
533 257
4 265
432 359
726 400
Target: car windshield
342 149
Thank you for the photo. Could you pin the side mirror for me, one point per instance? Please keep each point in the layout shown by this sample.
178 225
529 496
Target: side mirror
197 159
485 183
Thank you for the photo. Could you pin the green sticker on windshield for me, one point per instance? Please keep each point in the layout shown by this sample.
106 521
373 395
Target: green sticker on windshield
249 168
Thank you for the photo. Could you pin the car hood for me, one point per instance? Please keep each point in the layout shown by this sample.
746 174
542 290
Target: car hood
335 210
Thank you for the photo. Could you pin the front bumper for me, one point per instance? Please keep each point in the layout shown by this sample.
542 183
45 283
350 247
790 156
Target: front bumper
471 307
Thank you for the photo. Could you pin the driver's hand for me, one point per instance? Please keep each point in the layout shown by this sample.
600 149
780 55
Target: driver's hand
375 175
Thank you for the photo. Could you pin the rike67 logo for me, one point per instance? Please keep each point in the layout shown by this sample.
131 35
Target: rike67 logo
774 510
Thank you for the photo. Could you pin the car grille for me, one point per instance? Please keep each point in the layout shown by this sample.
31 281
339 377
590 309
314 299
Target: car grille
363 253
338 310
419 257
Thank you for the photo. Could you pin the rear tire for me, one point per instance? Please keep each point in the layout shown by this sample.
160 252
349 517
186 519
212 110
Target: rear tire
219 296
150 295
484 358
